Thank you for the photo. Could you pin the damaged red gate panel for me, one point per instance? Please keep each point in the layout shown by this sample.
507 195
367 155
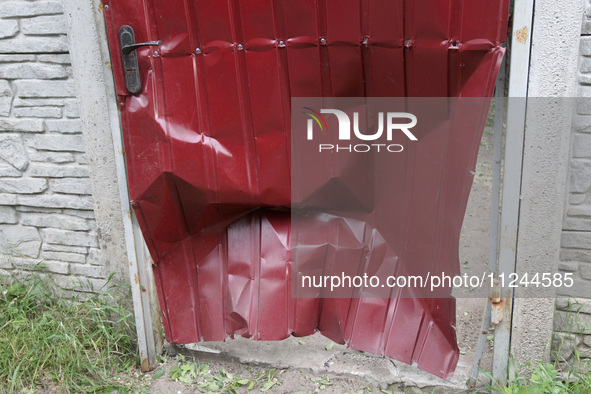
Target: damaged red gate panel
207 142
403 218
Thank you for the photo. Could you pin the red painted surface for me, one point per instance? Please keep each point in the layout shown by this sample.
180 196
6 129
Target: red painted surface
208 152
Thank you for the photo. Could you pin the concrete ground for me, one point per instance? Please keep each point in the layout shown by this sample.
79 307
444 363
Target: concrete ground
310 354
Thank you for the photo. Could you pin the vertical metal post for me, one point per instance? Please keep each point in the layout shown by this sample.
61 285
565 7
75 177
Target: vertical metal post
494 209
145 285
140 264
512 169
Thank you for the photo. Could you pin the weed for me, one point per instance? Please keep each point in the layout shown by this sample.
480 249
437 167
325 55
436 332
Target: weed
190 372
62 344
187 372
544 379
322 382
269 380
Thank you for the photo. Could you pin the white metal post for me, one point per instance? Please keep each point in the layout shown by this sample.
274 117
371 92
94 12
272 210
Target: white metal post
512 169
494 211
140 263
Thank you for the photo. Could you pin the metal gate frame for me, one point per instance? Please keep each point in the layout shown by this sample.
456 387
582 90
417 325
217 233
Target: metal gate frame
503 241
90 36
509 220
525 81
140 270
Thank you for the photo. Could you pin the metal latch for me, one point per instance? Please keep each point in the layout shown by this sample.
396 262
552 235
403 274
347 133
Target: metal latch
131 70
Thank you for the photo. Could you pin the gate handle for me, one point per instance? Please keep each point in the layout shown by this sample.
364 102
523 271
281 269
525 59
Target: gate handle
132 47
131 71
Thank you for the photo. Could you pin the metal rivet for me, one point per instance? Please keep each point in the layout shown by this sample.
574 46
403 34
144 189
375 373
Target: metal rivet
198 51
366 41
106 7
323 40
156 54
240 47
281 43
408 43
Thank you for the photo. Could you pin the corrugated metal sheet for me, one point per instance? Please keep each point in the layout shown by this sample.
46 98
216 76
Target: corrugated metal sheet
208 151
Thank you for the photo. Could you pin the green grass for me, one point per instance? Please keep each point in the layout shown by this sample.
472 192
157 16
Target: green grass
62 345
545 379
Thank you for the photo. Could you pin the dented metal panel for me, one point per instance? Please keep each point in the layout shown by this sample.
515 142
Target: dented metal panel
208 150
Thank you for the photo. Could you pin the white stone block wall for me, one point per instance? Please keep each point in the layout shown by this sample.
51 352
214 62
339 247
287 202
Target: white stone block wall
46 204
572 320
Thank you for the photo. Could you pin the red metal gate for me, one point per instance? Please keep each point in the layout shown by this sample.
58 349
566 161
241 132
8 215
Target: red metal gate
207 147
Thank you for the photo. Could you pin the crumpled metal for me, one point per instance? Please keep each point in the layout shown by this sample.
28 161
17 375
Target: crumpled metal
207 144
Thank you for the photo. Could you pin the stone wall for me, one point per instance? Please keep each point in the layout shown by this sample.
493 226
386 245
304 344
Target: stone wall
572 320
46 205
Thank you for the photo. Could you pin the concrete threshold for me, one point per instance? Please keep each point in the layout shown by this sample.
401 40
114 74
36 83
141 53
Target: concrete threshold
311 354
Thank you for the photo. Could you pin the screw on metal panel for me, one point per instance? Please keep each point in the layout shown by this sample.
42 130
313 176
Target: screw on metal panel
240 47
323 40
281 43
198 51
156 54
365 41
106 7
408 43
